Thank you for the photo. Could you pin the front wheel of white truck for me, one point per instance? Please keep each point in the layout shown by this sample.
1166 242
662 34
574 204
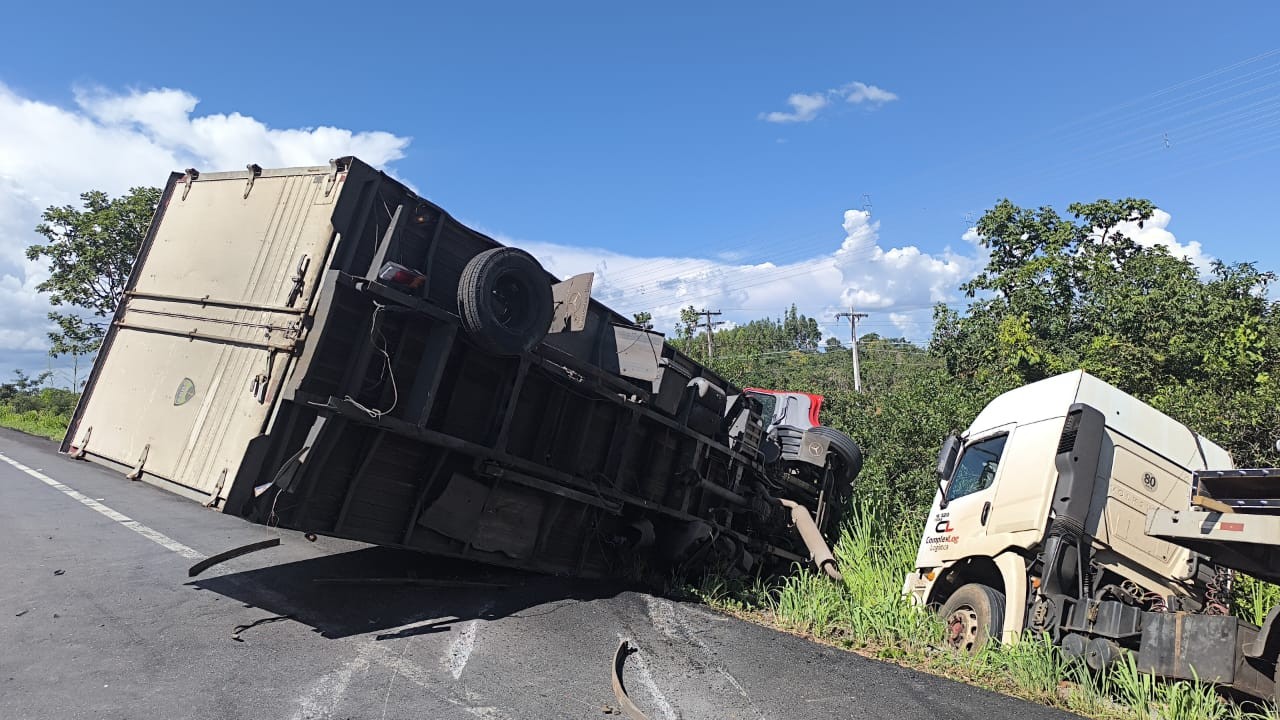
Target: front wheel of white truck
972 617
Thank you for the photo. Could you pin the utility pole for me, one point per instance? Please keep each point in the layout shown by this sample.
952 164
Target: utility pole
711 348
853 336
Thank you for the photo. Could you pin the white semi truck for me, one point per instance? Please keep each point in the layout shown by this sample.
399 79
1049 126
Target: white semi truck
1072 510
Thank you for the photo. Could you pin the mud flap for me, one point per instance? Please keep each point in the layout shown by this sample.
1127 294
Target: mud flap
1186 646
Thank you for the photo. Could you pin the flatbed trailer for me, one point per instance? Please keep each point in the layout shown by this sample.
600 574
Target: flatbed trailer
1234 521
323 349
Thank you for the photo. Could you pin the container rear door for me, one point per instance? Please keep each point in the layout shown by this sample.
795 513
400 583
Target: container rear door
193 362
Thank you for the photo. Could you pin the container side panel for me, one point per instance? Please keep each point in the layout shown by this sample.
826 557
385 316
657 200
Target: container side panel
208 327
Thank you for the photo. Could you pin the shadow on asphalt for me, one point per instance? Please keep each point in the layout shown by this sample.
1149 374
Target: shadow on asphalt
330 594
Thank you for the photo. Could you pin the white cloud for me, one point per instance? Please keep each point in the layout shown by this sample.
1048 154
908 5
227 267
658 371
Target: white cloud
908 324
856 92
806 106
109 141
899 284
1155 231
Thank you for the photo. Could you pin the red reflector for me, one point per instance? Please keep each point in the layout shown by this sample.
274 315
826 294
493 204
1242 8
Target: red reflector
1231 526
397 274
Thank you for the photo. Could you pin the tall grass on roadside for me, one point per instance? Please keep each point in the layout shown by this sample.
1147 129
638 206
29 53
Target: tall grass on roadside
1253 599
874 551
867 612
35 422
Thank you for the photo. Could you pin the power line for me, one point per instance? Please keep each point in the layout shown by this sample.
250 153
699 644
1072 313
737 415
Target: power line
1255 116
1190 100
1057 132
919 354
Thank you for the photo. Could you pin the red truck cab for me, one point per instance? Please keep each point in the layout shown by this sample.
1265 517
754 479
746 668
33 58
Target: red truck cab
789 408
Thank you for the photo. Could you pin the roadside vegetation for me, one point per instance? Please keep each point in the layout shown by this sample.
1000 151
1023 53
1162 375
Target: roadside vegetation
27 404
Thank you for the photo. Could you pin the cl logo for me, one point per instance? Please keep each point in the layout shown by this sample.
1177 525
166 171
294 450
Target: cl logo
942 526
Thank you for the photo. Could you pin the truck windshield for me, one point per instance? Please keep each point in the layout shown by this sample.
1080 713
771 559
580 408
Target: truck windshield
769 403
976 469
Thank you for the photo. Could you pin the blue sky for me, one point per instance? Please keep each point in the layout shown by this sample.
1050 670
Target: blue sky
642 131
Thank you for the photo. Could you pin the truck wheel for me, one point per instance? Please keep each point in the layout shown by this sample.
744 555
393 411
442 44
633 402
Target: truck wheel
504 300
973 615
845 447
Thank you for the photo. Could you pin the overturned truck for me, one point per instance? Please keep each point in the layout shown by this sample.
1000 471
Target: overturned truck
322 349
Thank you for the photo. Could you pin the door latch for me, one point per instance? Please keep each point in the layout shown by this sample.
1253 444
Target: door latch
986 510
299 280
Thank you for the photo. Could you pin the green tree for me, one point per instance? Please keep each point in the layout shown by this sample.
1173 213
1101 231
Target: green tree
1065 293
686 330
90 251
644 320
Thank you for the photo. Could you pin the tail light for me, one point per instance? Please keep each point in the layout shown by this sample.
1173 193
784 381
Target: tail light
397 274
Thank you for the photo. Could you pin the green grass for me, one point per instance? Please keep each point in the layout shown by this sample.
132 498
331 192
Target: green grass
867 613
1253 599
45 423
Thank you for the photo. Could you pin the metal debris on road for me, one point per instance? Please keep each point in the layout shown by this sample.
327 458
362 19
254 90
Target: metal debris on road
619 690
235 634
59 572
232 553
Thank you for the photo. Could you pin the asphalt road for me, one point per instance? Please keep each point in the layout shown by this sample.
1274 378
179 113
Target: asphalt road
98 619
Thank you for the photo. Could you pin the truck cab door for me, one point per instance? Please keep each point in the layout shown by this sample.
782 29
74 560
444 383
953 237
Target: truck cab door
951 531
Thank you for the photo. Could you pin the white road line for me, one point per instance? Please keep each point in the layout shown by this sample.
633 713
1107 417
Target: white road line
431 683
154 536
666 617
324 697
461 647
328 692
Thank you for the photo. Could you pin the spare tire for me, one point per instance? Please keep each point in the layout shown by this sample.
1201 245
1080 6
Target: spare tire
504 301
845 447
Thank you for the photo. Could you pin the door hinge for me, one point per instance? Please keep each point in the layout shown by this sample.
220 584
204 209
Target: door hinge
255 171
336 168
217 490
79 449
191 176
136 473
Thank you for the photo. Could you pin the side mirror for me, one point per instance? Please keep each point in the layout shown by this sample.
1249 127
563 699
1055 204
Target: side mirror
946 464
